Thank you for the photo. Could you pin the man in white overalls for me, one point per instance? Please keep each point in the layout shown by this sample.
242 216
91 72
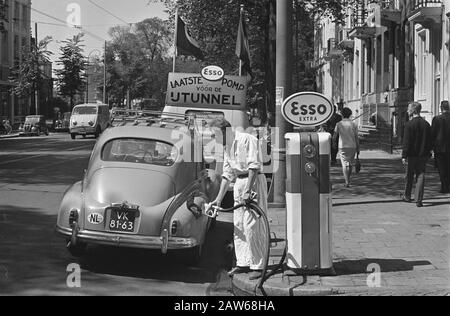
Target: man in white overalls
242 164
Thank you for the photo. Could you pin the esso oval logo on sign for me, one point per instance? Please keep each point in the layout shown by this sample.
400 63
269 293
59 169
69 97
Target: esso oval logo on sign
213 73
308 109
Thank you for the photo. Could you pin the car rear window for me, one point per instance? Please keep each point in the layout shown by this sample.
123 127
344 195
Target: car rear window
85 110
142 151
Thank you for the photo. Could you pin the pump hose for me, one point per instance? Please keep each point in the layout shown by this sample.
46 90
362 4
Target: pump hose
264 275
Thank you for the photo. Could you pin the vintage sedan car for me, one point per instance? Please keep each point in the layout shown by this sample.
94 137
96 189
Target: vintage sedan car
34 125
142 189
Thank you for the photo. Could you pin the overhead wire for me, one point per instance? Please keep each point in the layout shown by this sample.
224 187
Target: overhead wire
65 22
109 12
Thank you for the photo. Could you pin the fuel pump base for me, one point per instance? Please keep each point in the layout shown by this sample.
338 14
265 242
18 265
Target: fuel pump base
309 204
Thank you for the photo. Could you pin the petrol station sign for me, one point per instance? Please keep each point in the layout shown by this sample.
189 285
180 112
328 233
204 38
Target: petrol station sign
210 89
307 109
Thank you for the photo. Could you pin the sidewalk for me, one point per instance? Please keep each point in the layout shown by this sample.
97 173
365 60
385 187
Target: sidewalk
13 135
372 226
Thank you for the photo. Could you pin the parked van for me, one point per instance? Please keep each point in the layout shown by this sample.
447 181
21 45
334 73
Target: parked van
89 119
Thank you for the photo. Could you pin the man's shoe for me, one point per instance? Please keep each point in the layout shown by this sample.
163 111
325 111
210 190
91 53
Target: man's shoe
238 270
405 199
419 204
255 275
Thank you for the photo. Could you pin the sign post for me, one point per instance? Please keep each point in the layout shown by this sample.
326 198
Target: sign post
308 187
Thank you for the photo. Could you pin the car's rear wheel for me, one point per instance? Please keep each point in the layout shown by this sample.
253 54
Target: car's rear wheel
79 250
194 255
73 136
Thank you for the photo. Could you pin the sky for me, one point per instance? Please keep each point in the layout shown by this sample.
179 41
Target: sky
93 19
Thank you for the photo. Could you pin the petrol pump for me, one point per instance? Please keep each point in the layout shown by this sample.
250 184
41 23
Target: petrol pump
308 187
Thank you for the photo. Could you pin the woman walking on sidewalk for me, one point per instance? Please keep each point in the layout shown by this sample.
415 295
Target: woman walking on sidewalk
348 144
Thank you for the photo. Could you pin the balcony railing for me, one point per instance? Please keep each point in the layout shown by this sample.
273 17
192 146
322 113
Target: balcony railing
360 16
418 4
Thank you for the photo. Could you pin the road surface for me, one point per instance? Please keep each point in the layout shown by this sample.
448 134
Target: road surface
34 174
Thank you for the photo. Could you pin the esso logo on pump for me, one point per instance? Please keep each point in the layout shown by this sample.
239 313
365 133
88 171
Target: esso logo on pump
308 109
213 73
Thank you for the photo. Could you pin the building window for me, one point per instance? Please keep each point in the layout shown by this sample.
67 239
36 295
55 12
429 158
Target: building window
16 49
24 17
4 10
421 56
16 15
357 93
4 48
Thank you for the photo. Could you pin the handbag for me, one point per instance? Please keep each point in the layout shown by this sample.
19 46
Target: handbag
358 165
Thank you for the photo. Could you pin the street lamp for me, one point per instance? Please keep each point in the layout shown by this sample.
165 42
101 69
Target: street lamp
87 72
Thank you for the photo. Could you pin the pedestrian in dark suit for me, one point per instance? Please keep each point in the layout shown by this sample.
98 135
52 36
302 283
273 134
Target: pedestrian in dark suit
441 141
417 146
330 127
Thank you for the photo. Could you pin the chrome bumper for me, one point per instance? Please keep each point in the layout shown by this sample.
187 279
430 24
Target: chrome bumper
83 130
127 241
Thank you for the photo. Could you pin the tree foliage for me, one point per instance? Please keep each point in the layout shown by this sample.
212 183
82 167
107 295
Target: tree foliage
138 60
71 79
215 23
28 75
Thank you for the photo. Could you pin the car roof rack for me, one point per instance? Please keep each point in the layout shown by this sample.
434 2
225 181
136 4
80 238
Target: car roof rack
161 119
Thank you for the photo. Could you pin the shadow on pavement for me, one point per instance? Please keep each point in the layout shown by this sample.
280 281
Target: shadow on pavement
34 260
152 264
426 204
350 267
383 178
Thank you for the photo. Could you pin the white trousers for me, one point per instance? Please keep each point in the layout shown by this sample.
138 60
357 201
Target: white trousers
250 239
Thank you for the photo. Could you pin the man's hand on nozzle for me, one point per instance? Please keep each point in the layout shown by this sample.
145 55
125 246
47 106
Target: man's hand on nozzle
248 197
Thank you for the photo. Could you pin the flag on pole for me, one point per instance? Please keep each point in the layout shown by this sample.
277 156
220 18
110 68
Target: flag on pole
185 44
242 46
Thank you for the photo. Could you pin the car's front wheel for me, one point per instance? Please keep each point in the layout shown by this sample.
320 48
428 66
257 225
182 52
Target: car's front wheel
73 136
79 250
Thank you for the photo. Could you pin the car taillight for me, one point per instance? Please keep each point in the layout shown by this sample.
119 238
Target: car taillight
74 123
174 228
73 217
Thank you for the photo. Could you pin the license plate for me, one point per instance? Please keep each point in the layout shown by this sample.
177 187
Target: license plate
122 220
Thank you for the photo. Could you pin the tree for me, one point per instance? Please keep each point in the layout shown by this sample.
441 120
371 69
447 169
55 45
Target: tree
214 23
71 75
28 75
138 60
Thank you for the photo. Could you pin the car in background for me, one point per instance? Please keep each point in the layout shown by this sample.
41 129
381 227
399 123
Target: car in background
63 123
89 119
142 189
35 125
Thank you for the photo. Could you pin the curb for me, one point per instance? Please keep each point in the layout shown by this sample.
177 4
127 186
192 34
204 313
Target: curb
242 286
9 136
